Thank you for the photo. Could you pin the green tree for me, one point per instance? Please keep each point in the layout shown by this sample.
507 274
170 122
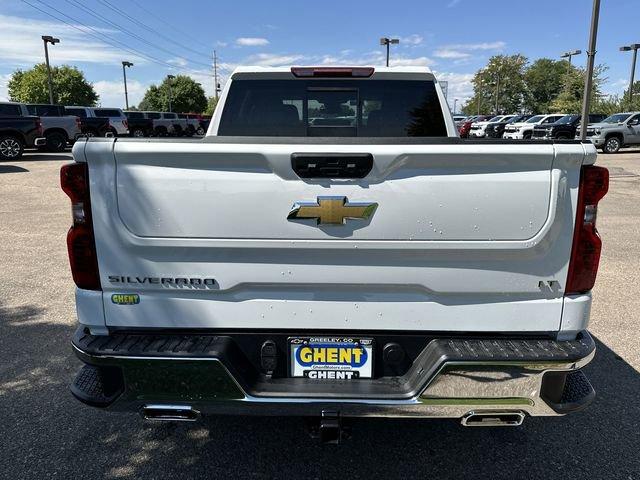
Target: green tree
212 103
503 77
627 103
69 86
545 79
187 95
570 98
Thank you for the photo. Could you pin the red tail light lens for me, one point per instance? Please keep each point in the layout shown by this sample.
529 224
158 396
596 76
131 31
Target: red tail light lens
125 123
81 244
361 72
585 254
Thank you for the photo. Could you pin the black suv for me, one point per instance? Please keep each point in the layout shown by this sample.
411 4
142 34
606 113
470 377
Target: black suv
565 128
496 130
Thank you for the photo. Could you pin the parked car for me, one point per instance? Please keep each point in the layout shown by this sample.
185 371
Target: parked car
205 120
58 128
193 123
440 278
89 125
162 127
464 129
614 132
139 124
478 128
18 133
117 119
563 129
524 130
180 126
496 130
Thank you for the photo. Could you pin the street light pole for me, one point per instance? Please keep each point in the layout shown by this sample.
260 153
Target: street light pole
124 74
389 41
634 47
570 54
49 39
169 78
497 91
588 83
455 103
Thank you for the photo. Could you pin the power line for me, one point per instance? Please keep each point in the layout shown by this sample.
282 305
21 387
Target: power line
173 27
104 38
113 7
128 32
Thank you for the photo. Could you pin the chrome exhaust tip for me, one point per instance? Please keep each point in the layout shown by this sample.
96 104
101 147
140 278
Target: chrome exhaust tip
493 419
170 413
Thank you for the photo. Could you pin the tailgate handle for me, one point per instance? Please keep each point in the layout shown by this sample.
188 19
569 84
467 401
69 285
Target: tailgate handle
331 165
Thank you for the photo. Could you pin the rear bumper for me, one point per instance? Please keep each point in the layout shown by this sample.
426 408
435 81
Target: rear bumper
451 377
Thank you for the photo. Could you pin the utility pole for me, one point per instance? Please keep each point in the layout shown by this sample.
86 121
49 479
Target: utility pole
124 74
634 47
169 78
588 81
49 39
389 41
455 102
216 86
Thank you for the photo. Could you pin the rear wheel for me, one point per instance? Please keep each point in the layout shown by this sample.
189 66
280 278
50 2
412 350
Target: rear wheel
138 133
612 145
526 135
56 142
562 136
200 131
10 147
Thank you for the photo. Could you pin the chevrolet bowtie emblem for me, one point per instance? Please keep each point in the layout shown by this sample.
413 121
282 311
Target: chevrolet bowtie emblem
331 210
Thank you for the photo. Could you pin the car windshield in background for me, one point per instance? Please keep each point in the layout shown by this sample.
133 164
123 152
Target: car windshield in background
78 112
105 112
134 115
617 118
535 119
495 119
153 115
568 119
333 108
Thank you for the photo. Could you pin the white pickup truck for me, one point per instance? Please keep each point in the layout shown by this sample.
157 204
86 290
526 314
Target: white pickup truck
332 249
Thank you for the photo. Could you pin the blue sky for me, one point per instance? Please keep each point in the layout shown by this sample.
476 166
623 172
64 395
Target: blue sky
453 37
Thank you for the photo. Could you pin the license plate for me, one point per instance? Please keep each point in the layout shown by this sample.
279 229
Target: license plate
331 358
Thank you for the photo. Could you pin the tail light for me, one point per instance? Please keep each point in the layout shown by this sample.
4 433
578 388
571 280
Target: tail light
361 72
125 122
585 253
74 179
39 126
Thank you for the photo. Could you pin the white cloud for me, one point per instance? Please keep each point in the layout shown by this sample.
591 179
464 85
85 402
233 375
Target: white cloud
251 41
4 94
449 53
178 61
478 46
112 92
460 85
412 40
275 60
21 46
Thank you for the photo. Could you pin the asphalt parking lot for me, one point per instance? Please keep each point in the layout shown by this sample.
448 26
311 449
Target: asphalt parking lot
45 433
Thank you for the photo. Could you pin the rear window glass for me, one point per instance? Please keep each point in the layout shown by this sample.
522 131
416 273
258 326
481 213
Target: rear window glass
106 112
78 112
333 108
8 109
154 115
46 110
170 116
134 115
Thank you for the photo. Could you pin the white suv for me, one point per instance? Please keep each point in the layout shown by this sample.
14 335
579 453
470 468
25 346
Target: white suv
524 130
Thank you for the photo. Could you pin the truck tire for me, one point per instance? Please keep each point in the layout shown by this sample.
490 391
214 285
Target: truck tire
562 136
526 136
612 144
200 131
161 132
138 133
56 142
11 147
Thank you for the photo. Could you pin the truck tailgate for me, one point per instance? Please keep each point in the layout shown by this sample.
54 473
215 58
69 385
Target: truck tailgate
461 237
